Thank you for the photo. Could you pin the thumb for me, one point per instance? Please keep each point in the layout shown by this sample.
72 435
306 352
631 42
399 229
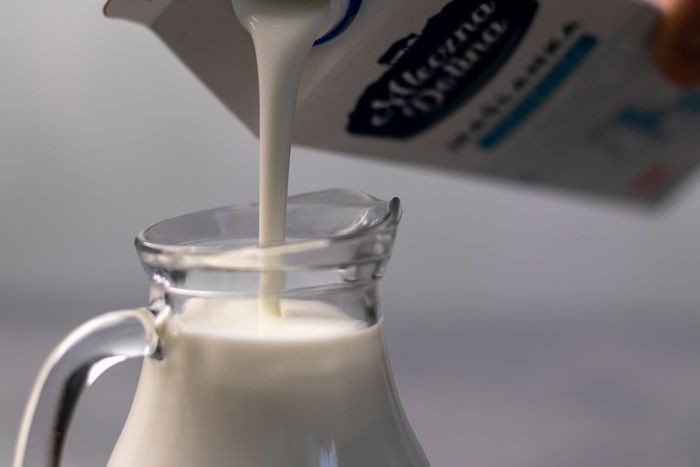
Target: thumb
676 42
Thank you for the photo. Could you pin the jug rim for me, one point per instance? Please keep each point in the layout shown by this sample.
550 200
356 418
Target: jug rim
162 245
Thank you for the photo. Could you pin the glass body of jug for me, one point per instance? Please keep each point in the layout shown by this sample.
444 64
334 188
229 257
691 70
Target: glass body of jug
254 356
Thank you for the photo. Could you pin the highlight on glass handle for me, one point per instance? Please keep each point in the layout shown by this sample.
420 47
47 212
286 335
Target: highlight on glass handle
73 366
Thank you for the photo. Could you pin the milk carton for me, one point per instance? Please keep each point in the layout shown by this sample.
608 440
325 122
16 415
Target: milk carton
544 92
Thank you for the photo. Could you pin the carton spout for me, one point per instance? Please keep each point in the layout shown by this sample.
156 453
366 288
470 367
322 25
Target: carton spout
340 14
141 11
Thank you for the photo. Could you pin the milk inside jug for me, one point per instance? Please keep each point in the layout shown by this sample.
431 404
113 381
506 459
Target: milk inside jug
224 384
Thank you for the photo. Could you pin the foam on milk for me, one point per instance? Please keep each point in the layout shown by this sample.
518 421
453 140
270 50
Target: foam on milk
283 33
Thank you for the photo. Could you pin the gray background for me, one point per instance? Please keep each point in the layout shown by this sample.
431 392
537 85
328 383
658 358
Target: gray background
525 328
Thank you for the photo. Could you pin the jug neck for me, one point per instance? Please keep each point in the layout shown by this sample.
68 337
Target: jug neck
338 245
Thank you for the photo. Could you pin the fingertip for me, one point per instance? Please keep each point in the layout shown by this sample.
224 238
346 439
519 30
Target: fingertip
677 53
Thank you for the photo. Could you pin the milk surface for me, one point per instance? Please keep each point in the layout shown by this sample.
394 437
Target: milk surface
241 388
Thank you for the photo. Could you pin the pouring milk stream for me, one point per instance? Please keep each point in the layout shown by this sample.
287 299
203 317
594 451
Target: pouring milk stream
283 33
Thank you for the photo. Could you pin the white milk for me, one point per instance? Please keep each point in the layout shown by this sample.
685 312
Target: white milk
283 32
309 390
269 382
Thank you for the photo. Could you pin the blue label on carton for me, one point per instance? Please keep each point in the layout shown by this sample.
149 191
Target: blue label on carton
541 93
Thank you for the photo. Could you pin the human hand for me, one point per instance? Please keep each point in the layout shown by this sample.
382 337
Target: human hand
676 41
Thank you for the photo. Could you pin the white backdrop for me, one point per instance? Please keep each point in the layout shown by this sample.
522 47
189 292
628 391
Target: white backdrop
495 297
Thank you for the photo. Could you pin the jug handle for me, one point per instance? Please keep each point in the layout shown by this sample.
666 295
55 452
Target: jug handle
74 365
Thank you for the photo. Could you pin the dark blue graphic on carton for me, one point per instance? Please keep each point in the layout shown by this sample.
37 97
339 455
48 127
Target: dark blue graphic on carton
433 73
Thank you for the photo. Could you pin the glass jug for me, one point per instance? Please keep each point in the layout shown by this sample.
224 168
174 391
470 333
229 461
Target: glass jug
236 372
